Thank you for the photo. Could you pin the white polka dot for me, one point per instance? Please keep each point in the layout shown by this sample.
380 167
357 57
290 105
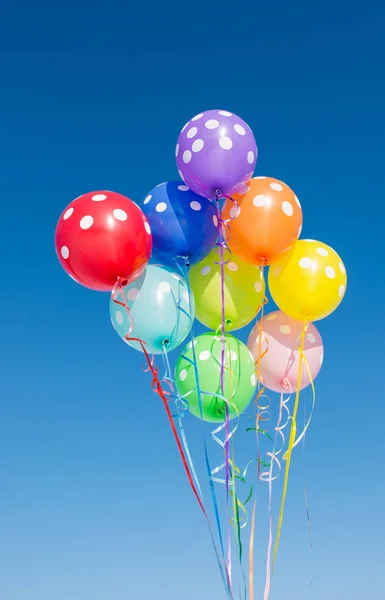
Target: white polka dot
276 186
183 375
160 184
299 230
250 157
321 359
232 266
65 252
225 143
187 156
287 208
161 207
322 251
297 201
212 124
341 291
239 129
235 211
225 113
311 241
197 117
86 222
215 220
260 200
147 227
233 355
342 267
253 380
177 150
164 287
285 329
132 294
183 188
195 205
181 175
186 296
192 132
204 355
271 317
147 199
330 272
260 177
120 214
99 197
198 145
258 286
184 126
68 213
277 271
206 270
305 262
311 338
119 317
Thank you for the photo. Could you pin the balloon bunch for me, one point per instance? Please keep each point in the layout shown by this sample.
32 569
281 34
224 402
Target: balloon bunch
211 236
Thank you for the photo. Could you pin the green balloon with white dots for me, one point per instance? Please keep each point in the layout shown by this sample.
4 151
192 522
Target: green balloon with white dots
239 377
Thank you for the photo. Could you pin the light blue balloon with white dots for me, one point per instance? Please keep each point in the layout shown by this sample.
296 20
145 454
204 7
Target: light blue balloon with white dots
161 308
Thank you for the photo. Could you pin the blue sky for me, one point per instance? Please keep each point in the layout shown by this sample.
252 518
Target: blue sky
94 503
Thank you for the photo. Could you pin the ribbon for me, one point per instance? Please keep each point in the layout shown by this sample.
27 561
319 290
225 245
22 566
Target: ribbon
293 430
157 387
184 270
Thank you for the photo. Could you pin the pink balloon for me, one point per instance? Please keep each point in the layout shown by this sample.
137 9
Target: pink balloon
281 340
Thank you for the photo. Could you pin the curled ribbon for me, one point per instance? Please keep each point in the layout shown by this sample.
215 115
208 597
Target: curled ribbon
292 436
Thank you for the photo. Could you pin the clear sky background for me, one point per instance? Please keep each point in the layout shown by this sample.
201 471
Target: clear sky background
94 503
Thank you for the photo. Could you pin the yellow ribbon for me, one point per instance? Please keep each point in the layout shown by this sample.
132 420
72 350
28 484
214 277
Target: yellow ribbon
293 432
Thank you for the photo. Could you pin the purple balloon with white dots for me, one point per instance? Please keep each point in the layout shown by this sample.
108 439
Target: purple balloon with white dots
216 152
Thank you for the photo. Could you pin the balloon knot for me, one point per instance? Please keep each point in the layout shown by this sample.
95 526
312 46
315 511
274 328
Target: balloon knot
286 384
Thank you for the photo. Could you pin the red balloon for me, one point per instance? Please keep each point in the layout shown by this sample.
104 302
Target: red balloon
101 237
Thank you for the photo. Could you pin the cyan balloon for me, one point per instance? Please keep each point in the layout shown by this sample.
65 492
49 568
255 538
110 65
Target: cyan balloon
161 310
182 223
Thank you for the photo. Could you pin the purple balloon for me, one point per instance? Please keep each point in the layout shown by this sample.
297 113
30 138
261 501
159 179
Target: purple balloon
216 150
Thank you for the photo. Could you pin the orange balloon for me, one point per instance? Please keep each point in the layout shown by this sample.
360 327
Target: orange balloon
266 222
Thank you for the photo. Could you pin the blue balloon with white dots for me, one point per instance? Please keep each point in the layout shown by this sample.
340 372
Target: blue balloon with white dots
161 307
182 223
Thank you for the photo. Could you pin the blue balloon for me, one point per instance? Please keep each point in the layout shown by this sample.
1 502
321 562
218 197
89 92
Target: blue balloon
182 223
161 309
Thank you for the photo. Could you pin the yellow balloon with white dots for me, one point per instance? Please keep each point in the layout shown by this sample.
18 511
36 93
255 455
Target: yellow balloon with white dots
309 282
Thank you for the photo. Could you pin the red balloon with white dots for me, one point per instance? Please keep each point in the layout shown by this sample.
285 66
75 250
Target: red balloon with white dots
103 237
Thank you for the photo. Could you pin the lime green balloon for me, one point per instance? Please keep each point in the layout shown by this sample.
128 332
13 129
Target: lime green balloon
244 291
239 381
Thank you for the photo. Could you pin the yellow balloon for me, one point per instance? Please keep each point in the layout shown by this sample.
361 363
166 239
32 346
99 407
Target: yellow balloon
309 282
244 291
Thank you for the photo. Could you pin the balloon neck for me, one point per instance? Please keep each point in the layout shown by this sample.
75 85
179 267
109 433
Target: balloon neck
166 343
263 261
285 383
122 281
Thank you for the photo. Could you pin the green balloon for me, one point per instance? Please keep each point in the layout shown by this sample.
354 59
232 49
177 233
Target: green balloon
244 289
239 377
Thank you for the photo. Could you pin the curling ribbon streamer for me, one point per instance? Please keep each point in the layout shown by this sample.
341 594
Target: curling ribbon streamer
168 378
291 443
156 386
207 462
222 375
269 477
